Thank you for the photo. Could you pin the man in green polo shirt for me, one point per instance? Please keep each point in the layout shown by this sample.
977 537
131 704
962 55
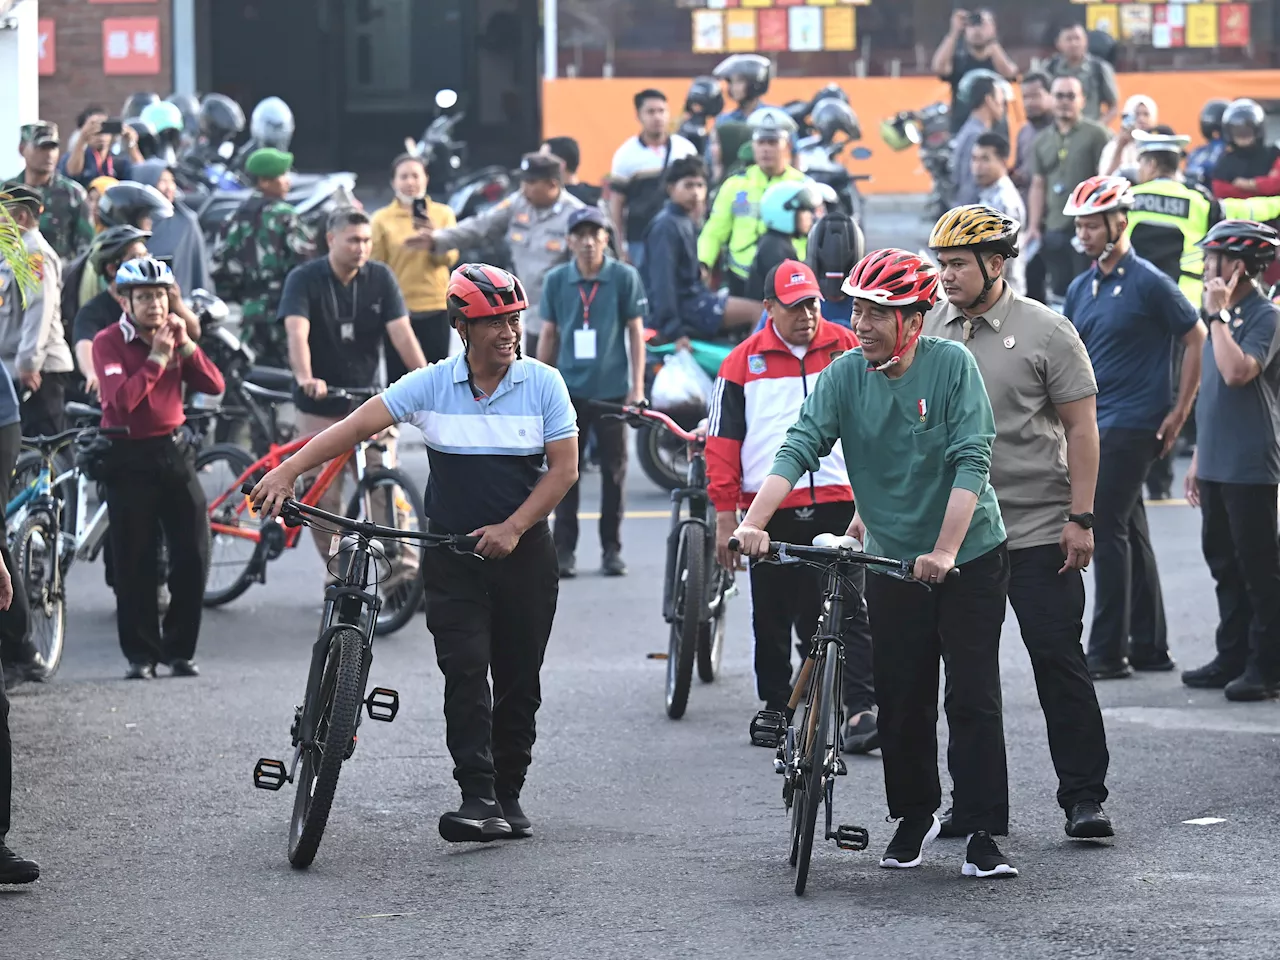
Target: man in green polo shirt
1067 152
593 311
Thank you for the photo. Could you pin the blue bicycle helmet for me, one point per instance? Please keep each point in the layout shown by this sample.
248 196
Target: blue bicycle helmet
780 203
144 272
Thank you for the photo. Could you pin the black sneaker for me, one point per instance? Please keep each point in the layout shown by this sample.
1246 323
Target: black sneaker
613 565
982 858
478 820
1214 675
14 869
861 737
521 826
140 671
906 849
568 565
1153 662
1252 685
1087 820
184 668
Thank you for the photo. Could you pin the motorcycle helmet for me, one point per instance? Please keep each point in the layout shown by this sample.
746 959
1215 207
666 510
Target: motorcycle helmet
128 202
901 131
148 141
134 106
752 67
832 91
705 99
189 105
771 123
168 122
1243 114
1211 118
144 272
831 116
835 244
1254 243
110 243
221 118
782 201
271 124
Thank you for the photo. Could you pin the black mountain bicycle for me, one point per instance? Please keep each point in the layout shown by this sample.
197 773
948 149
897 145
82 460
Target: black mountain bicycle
695 587
808 741
325 724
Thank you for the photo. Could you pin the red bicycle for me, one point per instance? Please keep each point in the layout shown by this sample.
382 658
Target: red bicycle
242 544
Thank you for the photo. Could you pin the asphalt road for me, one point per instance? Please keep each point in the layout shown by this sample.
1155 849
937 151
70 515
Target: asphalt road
653 838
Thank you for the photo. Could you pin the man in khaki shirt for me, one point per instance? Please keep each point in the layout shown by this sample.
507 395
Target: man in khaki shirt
1044 468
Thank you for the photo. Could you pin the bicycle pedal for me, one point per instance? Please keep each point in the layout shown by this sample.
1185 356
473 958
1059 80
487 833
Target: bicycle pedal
767 728
841 770
269 774
383 704
852 838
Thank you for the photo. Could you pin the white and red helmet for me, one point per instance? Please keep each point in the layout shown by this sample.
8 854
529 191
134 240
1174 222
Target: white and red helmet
893 278
1099 195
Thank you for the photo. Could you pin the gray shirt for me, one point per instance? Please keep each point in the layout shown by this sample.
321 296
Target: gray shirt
31 335
1238 428
966 190
1003 196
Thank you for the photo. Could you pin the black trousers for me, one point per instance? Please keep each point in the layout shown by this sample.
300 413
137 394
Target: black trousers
787 598
15 623
1061 260
1160 474
1128 608
1037 279
43 413
432 331
1239 536
492 617
6 762
911 630
611 449
152 487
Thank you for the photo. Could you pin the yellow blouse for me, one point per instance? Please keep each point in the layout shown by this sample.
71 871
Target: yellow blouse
423 276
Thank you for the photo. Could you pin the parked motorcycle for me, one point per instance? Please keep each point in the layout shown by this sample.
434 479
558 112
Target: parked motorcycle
930 130
821 123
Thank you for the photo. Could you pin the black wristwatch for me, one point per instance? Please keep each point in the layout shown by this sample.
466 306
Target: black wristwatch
1082 520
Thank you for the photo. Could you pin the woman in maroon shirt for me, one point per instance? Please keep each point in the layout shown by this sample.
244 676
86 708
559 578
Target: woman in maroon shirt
141 364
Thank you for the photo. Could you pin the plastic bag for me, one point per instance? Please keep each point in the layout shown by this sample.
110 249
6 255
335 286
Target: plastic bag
681 383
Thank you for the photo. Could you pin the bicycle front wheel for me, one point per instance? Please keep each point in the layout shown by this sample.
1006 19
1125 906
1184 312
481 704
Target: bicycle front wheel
337 712
233 561
689 594
814 766
388 497
37 573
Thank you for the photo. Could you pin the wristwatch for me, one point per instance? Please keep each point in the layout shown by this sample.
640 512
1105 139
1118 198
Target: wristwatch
1224 315
1082 520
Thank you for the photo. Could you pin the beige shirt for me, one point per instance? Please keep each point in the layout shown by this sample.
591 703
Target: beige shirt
1031 359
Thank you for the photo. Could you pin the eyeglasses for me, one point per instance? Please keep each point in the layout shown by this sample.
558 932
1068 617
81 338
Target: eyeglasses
1064 96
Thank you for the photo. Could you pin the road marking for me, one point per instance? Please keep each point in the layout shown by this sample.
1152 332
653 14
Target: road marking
1204 821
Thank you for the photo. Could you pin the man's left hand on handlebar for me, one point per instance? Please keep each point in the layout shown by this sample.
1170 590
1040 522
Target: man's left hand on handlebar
934 567
497 540
270 493
752 541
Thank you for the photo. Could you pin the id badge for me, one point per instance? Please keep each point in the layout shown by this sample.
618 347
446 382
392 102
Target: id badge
584 344
348 331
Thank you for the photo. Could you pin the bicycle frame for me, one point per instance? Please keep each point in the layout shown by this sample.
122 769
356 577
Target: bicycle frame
701 513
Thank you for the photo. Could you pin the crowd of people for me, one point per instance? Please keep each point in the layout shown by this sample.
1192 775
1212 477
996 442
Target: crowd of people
871 393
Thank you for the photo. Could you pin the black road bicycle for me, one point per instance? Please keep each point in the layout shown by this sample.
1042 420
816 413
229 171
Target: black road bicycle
325 724
695 587
808 742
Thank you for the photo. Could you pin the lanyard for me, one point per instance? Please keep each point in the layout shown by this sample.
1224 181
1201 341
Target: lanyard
586 303
109 169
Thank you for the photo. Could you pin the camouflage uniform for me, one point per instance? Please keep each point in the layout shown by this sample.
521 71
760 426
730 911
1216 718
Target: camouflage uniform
65 223
261 243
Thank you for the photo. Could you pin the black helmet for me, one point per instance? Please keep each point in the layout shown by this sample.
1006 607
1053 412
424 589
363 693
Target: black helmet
1254 243
221 118
831 116
128 202
1243 113
138 102
752 67
110 243
189 104
1211 118
832 91
705 98
835 246
271 124
148 139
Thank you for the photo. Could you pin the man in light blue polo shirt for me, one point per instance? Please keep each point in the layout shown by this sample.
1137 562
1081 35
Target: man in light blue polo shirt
491 420
593 311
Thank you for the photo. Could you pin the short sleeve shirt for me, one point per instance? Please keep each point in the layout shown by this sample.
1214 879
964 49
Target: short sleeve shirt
486 453
962 63
347 325
1129 320
1031 360
95 316
1237 428
591 318
1065 162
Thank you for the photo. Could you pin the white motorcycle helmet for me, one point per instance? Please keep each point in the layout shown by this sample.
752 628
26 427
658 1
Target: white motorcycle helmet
271 124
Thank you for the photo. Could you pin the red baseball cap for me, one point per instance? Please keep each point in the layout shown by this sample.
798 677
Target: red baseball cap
791 282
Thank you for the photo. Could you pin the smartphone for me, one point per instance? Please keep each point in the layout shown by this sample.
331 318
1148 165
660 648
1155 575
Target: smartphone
420 208
114 127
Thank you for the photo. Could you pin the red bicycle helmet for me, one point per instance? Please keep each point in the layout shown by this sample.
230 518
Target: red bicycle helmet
1100 195
895 278
1254 243
478 291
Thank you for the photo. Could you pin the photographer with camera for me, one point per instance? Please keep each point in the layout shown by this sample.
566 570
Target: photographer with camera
980 50
1121 154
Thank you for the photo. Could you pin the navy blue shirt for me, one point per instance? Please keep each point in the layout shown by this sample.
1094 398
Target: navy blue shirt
672 273
1128 320
1237 428
604 305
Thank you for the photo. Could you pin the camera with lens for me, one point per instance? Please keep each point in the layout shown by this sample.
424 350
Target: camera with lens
975 19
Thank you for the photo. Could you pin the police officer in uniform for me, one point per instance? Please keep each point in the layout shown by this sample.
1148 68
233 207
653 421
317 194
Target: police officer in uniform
535 223
263 241
65 222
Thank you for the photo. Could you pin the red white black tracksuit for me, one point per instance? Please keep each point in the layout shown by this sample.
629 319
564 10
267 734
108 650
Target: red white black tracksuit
758 395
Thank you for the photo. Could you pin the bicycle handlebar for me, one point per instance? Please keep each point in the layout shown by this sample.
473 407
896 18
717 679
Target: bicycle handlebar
294 510
644 417
66 436
806 553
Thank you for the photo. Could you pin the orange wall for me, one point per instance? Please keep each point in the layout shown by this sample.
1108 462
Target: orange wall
599 112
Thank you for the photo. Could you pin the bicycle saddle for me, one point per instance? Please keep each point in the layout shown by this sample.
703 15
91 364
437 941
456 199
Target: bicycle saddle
83 411
272 378
830 540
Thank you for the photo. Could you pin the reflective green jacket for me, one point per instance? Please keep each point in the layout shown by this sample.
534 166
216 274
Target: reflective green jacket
735 220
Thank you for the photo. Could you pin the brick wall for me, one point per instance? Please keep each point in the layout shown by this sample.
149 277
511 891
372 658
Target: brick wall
80 79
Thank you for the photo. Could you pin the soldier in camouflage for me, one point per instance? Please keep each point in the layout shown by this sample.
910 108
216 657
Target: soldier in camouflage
66 224
262 242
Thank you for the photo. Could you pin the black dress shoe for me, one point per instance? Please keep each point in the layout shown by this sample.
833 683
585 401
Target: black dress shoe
140 671
14 869
1212 676
1152 662
1110 671
1252 685
183 668
1086 820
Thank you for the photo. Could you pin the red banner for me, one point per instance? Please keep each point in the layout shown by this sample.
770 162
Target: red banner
131 46
771 29
47 31
1233 25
